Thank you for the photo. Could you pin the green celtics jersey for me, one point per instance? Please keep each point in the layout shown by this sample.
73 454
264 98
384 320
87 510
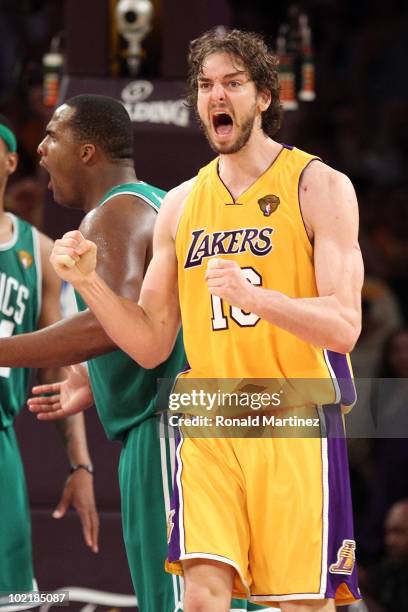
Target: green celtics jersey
20 304
124 392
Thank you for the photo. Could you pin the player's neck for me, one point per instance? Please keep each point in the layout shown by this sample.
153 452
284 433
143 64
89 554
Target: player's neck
106 179
240 170
3 184
6 226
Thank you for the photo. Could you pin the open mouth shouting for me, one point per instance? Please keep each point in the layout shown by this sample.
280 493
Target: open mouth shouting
222 123
43 165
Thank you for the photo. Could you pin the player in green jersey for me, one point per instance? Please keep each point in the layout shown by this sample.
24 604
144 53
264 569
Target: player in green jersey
29 299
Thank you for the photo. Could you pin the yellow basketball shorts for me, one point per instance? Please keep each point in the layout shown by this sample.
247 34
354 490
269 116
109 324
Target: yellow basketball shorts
278 510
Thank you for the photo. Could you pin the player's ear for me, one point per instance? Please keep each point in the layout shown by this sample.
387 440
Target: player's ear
12 162
264 99
87 152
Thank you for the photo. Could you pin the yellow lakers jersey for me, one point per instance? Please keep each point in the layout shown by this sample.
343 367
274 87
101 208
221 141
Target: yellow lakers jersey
263 231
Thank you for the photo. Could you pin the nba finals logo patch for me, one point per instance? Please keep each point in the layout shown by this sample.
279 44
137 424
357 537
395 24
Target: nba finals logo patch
170 525
26 259
268 204
346 559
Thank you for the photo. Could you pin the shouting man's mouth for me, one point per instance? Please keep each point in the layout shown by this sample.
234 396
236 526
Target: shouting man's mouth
222 123
43 165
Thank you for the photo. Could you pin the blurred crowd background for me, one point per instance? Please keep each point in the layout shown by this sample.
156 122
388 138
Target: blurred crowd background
358 124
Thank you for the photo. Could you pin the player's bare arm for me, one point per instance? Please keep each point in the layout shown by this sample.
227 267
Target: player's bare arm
332 320
146 330
78 489
122 228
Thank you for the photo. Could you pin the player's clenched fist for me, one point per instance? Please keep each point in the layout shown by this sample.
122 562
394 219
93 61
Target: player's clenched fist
73 258
226 280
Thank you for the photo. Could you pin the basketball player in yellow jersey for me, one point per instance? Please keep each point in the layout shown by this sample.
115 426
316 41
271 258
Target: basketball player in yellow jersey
264 519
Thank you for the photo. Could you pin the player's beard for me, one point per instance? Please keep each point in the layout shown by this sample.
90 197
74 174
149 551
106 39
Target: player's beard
244 135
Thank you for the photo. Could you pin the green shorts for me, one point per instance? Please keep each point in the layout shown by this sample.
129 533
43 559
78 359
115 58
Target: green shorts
16 564
145 476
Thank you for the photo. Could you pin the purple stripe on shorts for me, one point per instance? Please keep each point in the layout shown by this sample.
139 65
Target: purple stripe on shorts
186 368
340 532
174 543
342 372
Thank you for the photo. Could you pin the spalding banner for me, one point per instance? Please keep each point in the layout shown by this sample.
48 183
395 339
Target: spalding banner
157 103
136 97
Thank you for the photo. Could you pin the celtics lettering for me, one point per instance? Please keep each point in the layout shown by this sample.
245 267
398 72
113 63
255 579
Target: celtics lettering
13 298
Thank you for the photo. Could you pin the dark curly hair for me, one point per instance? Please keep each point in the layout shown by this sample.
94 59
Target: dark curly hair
251 50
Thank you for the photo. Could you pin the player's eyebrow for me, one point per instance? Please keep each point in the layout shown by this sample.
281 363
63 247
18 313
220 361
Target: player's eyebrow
235 74
230 75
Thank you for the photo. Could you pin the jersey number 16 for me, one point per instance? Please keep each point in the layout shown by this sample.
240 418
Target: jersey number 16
244 319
